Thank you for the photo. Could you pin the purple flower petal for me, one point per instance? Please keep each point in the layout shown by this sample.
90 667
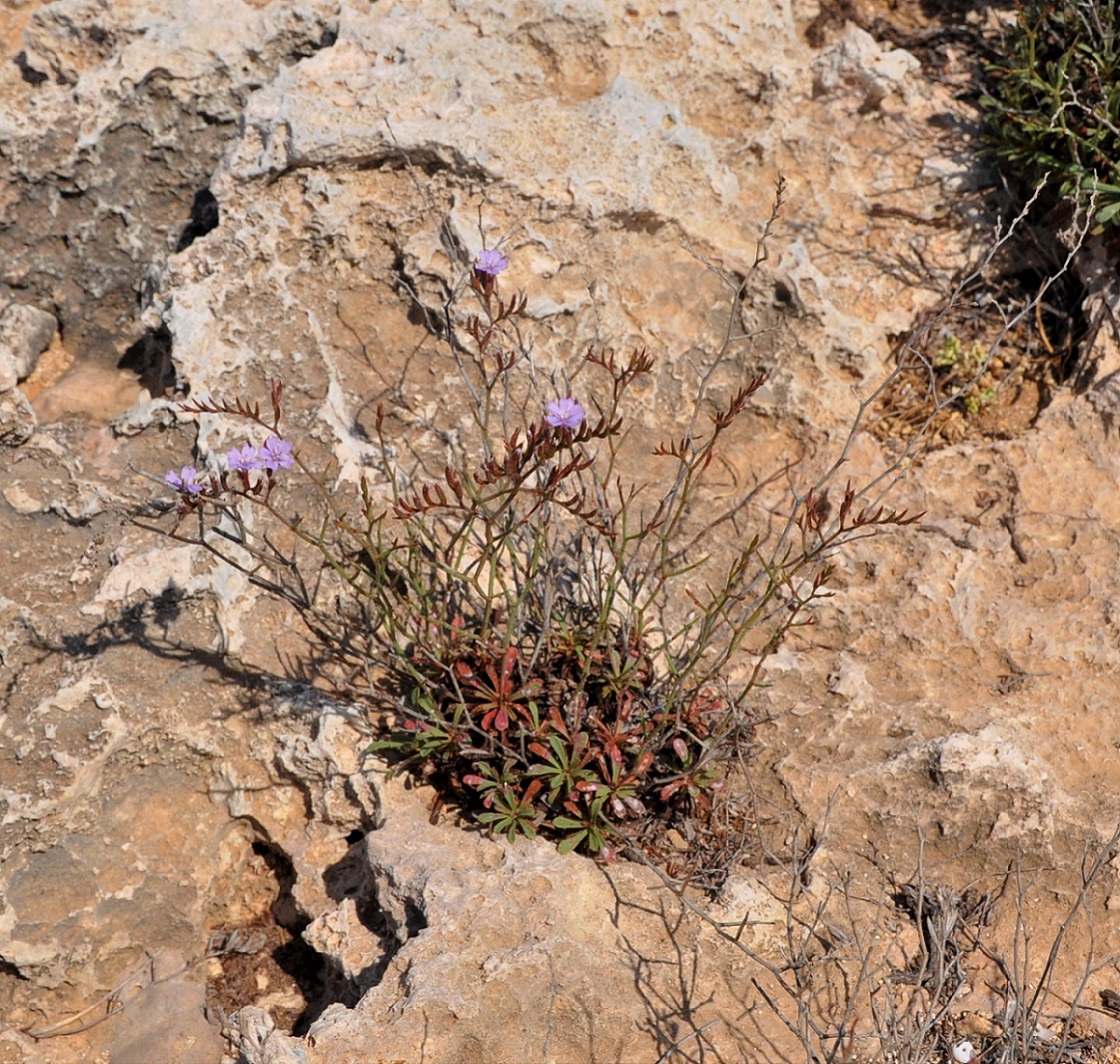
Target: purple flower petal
275 454
185 481
243 459
566 413
491 262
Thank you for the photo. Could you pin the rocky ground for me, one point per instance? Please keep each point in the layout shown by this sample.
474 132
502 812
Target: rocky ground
195 856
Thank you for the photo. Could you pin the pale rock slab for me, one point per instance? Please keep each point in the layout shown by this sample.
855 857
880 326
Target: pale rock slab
477 930
127 112
590 143
17 419
859 61
25 333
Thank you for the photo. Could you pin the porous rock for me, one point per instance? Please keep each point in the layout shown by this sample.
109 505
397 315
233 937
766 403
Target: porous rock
357 157
859 61
122 115
17 419
25 333
476 930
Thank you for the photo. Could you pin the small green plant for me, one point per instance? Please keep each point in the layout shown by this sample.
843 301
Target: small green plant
549 639
952 355
975 403
965 371
1053 104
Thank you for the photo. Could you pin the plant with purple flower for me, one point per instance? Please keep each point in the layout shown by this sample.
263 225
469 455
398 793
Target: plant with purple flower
491 262
545 665
185 481
566 413
275 454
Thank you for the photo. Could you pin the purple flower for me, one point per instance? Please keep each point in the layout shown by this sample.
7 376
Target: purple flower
275 454
185 481
244 459
491 262
565 413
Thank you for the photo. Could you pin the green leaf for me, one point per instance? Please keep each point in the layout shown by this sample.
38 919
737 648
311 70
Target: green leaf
1108 213
570 842
534 715
422 700
595 841
387 744
567 822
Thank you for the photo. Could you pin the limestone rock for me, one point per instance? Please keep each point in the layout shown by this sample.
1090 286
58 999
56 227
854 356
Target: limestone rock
165 766
17 419
477 930
25 333
165 1005
976 770
108 144
860 63
358 951
254 1034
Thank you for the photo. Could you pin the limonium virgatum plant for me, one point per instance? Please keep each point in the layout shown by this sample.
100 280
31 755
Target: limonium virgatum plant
518 618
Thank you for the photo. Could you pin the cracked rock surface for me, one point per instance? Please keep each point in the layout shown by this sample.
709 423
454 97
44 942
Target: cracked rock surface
200 197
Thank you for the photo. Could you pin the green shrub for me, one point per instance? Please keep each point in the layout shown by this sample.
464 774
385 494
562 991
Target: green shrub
1054 102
